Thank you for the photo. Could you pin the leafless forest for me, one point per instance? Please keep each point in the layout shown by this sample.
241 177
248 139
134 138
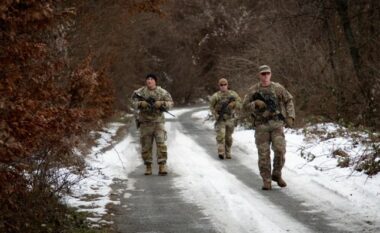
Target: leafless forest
67 66
325 52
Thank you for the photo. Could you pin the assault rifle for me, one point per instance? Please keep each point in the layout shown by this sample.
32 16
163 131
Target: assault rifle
224 106
271 103
151 102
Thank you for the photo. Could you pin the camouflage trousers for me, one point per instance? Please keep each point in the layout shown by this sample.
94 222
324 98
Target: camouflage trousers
224 131
150 132
266 135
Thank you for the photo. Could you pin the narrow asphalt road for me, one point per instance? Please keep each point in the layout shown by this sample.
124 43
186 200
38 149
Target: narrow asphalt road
154 204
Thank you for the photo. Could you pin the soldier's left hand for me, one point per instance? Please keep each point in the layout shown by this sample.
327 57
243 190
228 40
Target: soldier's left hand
289 122
231 105
259 104
267 114
159 103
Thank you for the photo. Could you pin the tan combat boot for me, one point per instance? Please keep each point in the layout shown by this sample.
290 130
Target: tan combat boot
162 170
228 153
148 170
267 185
279 181
221 151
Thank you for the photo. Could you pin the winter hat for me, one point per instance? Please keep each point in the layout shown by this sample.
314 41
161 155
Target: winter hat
151 75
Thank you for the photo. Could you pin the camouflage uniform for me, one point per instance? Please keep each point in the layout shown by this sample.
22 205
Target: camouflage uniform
152 124
224 127
270 128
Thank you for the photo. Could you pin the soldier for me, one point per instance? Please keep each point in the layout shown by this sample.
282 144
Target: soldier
150 101
271 107
222 106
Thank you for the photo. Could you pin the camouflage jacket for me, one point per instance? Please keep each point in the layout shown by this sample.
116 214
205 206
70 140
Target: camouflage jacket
282 97
151 114
217 100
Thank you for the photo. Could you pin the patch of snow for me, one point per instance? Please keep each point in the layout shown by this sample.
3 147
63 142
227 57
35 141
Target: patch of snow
310 170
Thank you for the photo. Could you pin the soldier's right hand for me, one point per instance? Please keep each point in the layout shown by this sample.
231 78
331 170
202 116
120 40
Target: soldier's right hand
143 104
158 104
231 105
289 122
259 104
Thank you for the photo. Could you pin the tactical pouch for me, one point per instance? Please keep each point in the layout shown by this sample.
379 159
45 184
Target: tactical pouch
137 123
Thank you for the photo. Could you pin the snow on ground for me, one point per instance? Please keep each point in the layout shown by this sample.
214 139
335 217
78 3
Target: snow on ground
103 168
229 203
315 168
309 162
92 193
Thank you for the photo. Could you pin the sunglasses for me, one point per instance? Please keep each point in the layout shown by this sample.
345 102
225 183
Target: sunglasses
265 73
222 85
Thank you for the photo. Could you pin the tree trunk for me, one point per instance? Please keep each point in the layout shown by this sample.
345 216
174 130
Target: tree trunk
361 74
331 40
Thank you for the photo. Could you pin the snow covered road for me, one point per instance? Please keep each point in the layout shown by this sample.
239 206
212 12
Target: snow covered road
204 194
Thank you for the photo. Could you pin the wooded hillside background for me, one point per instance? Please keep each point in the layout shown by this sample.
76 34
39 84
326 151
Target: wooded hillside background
67 66
324 51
